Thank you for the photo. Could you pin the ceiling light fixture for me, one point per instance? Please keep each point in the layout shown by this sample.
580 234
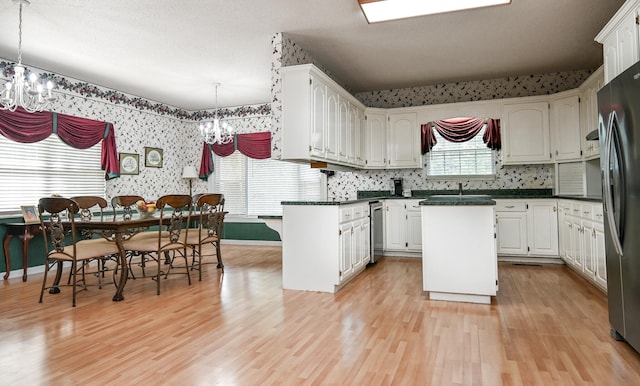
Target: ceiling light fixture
218 131
19 92
384 10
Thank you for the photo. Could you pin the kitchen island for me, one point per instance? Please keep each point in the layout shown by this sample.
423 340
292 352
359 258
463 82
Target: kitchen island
459 259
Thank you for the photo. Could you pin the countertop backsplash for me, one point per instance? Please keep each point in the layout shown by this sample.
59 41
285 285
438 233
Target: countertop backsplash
345 185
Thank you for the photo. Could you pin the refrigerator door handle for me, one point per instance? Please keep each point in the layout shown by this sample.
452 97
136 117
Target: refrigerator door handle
607 194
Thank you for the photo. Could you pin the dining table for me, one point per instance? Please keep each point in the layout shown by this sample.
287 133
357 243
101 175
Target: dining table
116 228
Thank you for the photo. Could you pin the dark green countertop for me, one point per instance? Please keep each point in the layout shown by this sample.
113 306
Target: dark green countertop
495 194
457 200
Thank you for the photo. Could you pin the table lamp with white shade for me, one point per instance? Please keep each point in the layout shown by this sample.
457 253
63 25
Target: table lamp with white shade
190 172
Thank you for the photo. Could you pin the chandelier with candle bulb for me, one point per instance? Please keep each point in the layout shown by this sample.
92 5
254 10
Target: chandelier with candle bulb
30 94
217 131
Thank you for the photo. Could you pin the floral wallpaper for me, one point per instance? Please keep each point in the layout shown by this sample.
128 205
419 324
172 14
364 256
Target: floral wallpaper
344 185
140 123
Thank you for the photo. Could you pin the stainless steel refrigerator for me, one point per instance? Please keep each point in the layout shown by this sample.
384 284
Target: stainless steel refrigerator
619 135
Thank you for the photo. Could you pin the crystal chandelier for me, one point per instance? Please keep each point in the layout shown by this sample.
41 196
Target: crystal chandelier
218 131
19 92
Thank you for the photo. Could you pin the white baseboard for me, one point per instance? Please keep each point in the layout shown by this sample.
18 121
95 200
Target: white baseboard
530 260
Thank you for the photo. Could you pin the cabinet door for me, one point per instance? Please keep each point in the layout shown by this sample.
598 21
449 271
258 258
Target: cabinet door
627 42
404 141
376 140
588 255
610 56
576 243
565 117
511 229
318 117
357 253
366 241
346 250
569 248
344 130
542 227
414 227
395 225
526 133
331 136
360 138
600 255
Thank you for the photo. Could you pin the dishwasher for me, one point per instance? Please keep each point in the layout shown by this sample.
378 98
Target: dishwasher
377 226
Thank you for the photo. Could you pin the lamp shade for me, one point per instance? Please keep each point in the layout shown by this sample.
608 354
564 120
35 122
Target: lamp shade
189 171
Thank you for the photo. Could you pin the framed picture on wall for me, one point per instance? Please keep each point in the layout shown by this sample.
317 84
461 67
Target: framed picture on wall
152 157
129 163
30 214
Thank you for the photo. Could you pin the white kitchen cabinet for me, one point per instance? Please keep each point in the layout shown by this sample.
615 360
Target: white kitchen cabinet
542 227
565 126
325 253
316 117
584 250
527 227
589 112
525 133
619 39
403 140
512 230
564 231
376 139
358 139
402 225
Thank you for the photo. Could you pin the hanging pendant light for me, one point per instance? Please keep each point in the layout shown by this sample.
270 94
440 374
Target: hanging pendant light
30 94
217 131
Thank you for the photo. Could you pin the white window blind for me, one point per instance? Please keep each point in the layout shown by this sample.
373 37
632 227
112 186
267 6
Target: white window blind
256 187
30 171
471 158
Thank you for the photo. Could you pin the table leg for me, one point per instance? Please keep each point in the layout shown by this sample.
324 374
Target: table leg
7 260
124 269
26 237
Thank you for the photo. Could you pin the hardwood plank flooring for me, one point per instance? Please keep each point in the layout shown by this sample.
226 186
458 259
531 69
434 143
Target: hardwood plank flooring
547 326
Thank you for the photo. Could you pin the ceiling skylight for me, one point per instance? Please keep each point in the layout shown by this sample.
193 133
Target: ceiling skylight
383 10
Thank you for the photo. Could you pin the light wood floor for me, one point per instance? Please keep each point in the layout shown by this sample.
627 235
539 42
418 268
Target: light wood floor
546 327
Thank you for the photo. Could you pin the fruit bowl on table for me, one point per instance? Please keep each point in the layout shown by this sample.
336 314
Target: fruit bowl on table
146 209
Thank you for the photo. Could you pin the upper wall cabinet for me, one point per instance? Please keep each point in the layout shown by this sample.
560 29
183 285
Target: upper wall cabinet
376 139
403 140
565 126
619 39
589 112
525 133
320 120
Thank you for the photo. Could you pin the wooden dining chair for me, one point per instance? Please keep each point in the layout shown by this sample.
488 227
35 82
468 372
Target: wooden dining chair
90 206
170 239
53 211
210 221
125 204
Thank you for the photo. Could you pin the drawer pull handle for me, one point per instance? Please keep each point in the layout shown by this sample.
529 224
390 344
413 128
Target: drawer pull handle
510 206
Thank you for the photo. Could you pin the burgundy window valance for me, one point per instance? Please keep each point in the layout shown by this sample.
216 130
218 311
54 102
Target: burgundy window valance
253 145
461 130
80 133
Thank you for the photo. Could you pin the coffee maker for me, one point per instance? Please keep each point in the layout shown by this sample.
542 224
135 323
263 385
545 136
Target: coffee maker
397 187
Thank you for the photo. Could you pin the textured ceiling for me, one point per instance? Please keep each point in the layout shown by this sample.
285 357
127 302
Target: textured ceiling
172 51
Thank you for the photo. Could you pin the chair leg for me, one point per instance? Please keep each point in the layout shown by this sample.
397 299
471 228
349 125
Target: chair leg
47 266
73 270
186 263
219 256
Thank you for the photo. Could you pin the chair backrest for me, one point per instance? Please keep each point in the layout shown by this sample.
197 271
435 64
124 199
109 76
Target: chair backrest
211 215
52 210
125 203
89 204
179 208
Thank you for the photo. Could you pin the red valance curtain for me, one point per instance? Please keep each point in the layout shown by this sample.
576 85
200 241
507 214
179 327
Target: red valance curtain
253 145
80 133
461 130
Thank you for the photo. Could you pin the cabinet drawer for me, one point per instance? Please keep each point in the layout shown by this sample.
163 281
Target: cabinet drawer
576 209
510 206
358 212
346 214
586 211
597 212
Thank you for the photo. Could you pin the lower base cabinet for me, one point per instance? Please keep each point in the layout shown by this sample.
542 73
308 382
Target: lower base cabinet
527 227
324 246
402 225
582 240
